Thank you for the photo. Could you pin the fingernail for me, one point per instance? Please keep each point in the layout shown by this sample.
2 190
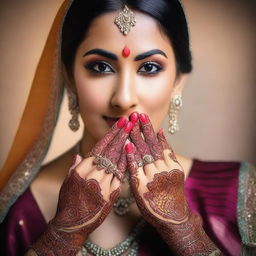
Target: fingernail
128 127
121 122
129 148
144 118
134 117
161 132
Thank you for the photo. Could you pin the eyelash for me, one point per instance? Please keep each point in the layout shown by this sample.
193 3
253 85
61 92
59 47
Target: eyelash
158 67
92 65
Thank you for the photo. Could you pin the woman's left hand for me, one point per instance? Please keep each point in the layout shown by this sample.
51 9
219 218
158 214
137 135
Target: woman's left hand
157 181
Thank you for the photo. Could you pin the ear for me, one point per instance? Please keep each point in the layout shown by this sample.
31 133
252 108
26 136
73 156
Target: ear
179 84
68 77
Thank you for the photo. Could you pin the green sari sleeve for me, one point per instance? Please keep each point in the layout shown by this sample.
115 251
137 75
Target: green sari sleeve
246 208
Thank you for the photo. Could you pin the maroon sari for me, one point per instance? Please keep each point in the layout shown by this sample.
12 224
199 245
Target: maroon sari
211 190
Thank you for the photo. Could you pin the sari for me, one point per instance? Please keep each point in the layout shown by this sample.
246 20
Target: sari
35 131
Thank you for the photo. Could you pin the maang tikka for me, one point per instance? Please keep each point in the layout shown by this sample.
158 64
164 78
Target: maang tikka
125 20
73 108
175 106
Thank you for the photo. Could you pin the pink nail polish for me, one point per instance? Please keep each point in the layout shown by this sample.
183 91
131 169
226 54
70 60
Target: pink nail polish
128 127
134 117
121 122
129 148
144 118
161 131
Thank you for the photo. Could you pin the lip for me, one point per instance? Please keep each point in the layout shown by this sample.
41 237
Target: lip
110 120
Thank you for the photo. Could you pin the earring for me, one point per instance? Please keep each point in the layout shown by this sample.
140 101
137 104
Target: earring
74 111
175 106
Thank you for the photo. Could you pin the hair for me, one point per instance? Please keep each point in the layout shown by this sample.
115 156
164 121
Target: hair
168 13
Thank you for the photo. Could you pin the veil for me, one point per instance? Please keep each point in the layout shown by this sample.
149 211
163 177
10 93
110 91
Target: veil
36 127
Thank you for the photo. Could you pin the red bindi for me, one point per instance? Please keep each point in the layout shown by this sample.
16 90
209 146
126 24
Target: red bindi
126 52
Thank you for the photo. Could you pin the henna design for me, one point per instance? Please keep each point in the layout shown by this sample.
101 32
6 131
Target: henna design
164 144
166 199
31 252
136 138
81 209
114 150
185 238
151 138
132 164
166 195
102 143
122 165
188 238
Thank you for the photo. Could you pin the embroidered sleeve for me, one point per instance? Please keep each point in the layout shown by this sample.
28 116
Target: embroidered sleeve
247 208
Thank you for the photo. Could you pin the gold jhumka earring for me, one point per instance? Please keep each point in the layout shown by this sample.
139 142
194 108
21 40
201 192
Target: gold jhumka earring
125 20
73 108
175 106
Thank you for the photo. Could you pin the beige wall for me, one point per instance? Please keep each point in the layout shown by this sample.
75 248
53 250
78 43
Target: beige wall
218 118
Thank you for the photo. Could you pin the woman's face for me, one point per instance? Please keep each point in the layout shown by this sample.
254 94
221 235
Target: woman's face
110 85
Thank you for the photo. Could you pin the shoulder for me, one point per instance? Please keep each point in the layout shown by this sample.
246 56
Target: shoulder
22 226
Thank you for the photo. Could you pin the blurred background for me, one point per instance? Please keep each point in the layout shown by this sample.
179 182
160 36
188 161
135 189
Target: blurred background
218 118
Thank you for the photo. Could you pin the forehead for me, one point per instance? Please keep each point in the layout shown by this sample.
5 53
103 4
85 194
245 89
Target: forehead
145 35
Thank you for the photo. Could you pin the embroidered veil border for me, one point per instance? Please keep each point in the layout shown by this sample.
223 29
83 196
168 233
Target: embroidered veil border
35 130
246 208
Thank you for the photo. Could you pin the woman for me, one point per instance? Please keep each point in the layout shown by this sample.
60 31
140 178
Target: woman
124 171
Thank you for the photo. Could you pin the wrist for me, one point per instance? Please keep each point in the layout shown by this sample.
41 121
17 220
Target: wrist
188 238
55 241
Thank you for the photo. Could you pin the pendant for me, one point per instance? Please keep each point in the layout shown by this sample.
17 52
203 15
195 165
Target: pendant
122 204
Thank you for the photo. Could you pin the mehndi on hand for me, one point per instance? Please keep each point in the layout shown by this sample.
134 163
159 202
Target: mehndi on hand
87 194
157 181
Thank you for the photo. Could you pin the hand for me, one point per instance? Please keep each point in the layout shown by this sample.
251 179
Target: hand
157 181
87 194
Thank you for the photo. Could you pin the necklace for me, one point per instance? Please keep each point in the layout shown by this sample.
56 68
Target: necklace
122 204
131 242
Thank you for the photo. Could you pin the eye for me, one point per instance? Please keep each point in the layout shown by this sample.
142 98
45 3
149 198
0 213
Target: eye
150 68
99 67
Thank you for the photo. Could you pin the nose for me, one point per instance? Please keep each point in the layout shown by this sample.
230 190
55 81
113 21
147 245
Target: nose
124 96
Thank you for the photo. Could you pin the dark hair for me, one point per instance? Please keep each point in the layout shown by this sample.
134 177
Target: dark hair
168 13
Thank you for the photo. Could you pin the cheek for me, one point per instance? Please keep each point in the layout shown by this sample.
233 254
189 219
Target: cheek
91 98
156 96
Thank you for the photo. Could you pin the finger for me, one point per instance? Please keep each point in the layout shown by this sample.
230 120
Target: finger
168 151
85 167
136 172
108 137
75 161
114 150
162 139
131 161
150 170
97 175
138 141
150 137
138 158
122 165
107 178
115 184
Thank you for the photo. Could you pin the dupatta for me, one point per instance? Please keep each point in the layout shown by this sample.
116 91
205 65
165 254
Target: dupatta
36 128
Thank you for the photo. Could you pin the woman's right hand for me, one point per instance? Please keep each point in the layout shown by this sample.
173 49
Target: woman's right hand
87 194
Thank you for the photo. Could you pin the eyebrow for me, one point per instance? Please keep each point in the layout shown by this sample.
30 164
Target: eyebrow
101 52
149 53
